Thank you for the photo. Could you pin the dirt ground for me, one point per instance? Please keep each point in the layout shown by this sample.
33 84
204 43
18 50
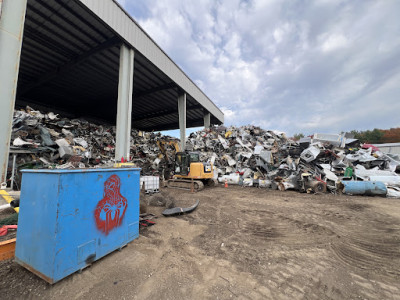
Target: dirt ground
244 243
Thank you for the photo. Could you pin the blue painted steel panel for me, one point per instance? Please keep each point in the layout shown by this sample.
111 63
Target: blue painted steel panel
70 218
364 188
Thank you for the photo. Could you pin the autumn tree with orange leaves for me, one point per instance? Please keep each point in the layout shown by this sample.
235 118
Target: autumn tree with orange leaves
378 136
391 135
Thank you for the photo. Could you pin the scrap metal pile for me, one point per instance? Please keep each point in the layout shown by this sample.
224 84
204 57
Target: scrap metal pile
47 140
247 155
251 156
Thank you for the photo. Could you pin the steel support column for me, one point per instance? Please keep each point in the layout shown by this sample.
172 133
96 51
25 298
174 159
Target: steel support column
124 113
182 119
207 120
12 19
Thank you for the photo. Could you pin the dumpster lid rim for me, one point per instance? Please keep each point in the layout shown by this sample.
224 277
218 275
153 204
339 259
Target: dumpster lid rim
78 170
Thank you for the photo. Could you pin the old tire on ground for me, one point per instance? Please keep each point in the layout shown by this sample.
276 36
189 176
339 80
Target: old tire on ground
318 187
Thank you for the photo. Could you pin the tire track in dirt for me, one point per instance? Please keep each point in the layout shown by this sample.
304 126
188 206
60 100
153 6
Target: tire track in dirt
266 224
370 250
307 245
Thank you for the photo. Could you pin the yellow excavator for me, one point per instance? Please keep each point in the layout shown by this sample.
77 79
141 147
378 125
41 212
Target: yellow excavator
188 171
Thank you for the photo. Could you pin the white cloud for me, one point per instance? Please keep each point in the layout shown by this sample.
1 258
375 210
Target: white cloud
278 35
228 112
334 42
297 67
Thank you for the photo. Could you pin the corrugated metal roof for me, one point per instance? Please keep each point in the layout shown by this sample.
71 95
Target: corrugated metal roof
70 63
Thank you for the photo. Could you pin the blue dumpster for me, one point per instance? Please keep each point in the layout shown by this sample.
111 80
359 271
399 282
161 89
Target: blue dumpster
70 218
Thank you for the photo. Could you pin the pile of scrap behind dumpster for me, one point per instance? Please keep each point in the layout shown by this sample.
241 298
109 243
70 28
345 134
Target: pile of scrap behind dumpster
47 140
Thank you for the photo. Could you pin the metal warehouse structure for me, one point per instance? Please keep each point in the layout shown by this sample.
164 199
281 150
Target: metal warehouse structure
391 148
89 58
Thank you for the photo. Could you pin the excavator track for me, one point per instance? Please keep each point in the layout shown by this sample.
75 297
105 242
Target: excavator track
185 184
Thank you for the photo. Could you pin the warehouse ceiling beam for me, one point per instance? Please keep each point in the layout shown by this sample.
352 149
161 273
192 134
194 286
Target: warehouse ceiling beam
70 64
66 20
163 87
163 113
81 18
192 123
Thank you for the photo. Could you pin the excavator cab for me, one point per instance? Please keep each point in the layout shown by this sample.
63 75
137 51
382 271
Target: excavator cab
183 161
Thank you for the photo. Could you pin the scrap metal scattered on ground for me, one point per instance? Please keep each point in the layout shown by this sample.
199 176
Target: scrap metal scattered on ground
247 155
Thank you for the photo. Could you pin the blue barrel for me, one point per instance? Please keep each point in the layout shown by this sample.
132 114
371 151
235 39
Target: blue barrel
365 188
70 218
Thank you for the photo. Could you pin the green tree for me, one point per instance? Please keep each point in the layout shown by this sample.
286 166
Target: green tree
369 136
374 136
298 136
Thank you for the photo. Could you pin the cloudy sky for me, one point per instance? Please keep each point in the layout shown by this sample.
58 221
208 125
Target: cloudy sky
296 66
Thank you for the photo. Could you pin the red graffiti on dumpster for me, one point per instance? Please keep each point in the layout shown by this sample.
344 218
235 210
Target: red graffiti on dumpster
111 209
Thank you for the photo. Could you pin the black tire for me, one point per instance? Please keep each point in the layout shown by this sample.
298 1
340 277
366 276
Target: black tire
319 187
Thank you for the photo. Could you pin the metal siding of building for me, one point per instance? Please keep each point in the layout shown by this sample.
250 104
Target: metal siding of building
391 149
111 13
